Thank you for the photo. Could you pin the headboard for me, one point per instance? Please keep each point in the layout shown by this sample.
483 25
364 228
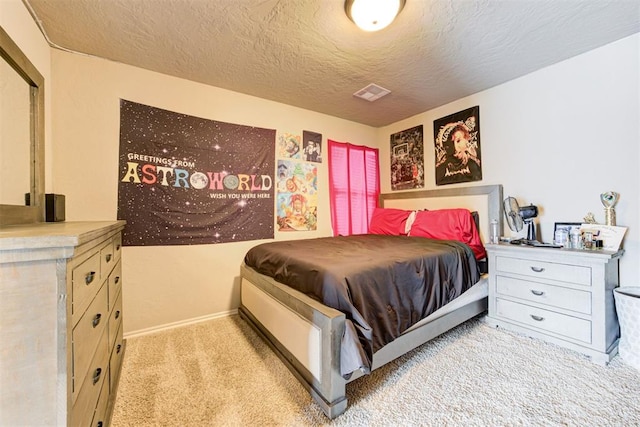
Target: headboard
484 199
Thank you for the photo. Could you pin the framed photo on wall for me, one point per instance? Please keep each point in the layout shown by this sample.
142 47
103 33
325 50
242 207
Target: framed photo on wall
407 159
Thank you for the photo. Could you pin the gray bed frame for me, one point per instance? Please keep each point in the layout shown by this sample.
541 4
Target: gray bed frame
306 334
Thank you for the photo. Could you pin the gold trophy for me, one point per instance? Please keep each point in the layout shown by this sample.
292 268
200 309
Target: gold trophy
609 200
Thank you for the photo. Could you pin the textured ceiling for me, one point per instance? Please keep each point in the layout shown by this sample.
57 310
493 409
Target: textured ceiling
307 53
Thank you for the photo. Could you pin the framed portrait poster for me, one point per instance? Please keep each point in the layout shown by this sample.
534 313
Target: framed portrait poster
457 147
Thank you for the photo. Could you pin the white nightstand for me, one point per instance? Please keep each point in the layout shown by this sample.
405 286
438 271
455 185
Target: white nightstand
562 296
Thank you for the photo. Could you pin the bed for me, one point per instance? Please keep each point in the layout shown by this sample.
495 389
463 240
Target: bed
313 339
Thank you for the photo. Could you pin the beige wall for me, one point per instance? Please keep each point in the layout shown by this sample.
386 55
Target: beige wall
558 138
17 22
173 284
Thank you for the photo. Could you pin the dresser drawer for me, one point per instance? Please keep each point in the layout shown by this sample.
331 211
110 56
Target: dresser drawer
115 320
116 360
100 416
86 335
545 320
107 258
87 398
85 283
115 284
556 296
545 270
117 246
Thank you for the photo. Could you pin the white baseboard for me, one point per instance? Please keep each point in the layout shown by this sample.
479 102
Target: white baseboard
179 324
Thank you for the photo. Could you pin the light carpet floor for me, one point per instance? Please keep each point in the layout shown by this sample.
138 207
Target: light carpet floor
221 373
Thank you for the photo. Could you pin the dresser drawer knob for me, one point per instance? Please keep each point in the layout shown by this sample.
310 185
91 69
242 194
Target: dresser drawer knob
118 348
116 280
96 375
99 424
537 269
537 318
89 277
537 293
117 314
117 247
96 319
108 257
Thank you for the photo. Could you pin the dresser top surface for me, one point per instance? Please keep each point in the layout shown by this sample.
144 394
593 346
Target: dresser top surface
54 234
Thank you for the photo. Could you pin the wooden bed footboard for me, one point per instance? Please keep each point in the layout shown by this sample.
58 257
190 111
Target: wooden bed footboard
304 333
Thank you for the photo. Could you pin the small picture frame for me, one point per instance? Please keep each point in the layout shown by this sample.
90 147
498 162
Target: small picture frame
563 239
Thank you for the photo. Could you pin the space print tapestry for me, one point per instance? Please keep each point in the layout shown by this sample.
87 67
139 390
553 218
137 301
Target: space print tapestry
185 180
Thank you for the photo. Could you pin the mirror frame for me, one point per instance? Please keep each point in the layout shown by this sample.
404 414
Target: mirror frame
35 212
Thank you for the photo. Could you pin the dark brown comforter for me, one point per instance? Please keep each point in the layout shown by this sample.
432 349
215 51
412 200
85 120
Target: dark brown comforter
384 284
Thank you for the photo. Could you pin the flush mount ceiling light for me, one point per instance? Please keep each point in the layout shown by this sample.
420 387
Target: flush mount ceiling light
373 15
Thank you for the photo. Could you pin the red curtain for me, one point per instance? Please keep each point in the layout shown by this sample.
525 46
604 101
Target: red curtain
354 186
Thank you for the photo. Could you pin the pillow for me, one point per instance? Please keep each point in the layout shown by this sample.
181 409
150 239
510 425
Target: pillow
449 224
389 221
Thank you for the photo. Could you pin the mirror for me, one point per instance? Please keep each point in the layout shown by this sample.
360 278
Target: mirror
21 137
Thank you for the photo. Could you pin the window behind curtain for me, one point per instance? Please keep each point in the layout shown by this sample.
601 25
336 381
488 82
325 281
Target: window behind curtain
354 186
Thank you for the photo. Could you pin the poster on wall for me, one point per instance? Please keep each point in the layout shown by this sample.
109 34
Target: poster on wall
289 146
312 146
185 180
457 147
407 159
297 196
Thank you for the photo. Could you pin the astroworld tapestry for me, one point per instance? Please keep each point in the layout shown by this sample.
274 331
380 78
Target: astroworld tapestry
185 180
457 147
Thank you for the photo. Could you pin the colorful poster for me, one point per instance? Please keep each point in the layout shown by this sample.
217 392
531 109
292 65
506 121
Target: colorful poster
297 199
407 159
185 180
289 146
457 145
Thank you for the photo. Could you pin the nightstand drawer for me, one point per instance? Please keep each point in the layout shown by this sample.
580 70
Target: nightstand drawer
549 321
546 270
556 296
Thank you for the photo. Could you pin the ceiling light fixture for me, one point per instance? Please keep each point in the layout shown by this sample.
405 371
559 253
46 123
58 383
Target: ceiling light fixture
373 15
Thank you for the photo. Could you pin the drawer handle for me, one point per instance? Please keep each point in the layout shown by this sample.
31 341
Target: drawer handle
89 277
116 280
108 257
117 314
118 247
537 293
118 348
537 269
96 319
99 424
96 375
537 318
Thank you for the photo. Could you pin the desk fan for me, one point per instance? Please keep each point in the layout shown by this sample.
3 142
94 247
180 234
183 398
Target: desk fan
517 217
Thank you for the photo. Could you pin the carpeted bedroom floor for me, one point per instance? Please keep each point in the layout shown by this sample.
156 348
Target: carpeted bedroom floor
220 373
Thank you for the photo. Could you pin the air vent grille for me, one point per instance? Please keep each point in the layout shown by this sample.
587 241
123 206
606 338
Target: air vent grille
372 92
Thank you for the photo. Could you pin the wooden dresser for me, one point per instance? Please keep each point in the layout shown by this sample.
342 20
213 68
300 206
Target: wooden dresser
60 322
562 296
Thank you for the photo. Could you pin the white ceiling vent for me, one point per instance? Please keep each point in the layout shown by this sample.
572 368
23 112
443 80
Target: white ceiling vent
372 92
